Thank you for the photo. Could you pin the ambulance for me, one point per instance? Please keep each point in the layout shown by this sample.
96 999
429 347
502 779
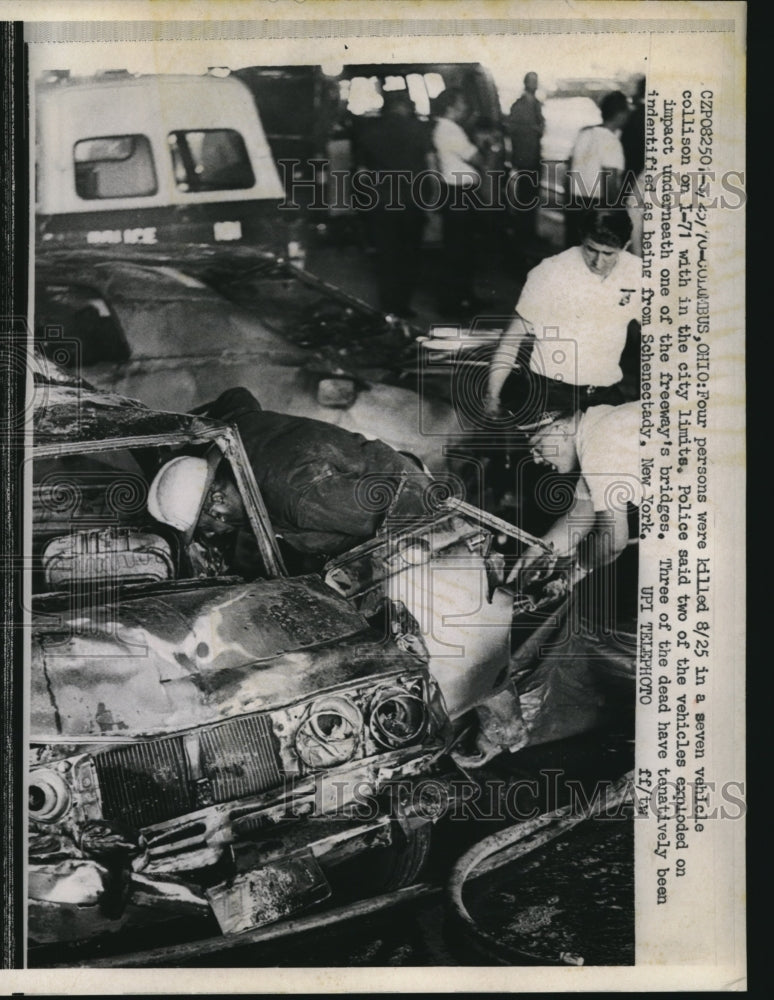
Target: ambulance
151 160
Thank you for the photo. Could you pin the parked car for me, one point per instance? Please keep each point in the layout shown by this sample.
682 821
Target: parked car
176 329
199 744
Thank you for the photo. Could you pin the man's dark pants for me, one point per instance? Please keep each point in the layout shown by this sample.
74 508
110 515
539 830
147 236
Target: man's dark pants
459 252
397 234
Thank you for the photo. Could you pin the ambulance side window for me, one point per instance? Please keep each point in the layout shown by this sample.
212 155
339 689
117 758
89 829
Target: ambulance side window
114 166
210 160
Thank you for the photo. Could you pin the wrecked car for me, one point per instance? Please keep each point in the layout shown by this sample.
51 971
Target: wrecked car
200 745
220 747
179 328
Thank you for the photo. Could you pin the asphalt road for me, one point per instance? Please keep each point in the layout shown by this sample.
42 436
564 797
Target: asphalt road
339 252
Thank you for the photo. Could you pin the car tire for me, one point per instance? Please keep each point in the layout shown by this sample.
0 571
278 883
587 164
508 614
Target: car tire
383 869
400 864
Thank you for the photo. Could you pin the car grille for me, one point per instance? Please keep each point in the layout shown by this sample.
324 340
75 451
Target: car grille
147 783
240 758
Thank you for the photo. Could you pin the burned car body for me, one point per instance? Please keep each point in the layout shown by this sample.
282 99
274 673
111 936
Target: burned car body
185 326
221 747
199 745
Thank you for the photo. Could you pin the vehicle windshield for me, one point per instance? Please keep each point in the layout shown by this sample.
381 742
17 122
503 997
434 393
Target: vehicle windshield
345 334
120 310
93 533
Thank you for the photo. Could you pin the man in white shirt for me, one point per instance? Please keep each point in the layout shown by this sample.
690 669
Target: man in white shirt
458 160
601 444
579 312
597 163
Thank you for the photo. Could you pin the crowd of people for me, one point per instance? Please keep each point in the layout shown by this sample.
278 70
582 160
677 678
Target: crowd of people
477 174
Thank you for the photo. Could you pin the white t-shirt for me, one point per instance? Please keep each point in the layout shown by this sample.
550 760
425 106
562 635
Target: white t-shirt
608 445
454 151
596 149
579 318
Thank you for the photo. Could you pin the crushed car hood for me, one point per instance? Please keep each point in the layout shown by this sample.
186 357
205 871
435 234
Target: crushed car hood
174 658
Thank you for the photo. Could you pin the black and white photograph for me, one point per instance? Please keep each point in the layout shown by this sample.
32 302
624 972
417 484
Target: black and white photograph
379 497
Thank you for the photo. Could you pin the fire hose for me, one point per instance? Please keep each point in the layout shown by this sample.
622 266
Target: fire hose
508 845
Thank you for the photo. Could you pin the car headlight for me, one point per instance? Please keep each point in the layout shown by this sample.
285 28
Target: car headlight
330 732
398 718
415 550
296 253
49 796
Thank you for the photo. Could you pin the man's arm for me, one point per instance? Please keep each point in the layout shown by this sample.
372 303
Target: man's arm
503 362
455 141
613 165
539 118
606 540
564 536
477 159
594 538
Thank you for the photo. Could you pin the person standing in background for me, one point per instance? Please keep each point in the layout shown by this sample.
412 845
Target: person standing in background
597 164
396 147
459 160
525 126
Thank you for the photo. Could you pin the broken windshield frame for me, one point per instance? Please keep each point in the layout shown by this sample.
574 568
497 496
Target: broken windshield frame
128 492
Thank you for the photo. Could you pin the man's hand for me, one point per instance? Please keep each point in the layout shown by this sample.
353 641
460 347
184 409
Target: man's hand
533 564
492 407
498 375
206 560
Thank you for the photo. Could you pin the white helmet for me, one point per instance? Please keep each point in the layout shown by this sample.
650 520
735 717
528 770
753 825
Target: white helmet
178 492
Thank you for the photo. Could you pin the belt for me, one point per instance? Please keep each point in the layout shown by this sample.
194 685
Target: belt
586 390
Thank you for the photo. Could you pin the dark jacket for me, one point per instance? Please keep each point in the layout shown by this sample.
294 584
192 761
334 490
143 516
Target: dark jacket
526 126
326 489
395 144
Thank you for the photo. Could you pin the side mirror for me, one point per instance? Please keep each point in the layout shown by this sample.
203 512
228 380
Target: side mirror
338 393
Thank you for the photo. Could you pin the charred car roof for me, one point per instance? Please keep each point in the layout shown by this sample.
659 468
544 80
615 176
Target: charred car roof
71 413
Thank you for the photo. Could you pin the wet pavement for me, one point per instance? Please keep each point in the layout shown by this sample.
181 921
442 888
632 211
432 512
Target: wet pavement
339 253
571 901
